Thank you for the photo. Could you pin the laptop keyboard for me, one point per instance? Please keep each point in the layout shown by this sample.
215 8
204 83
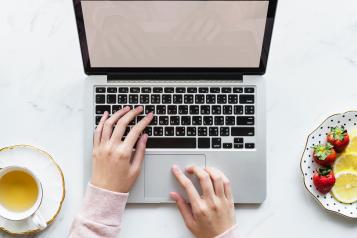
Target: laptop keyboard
187 117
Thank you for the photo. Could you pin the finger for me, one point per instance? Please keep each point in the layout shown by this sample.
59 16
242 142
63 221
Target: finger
124 121
108 125
216 177
139 155
191 191
227 187
135 132
99 129
184 209
205 180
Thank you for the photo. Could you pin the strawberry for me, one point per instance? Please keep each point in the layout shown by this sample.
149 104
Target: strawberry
324 179
324 155
339 138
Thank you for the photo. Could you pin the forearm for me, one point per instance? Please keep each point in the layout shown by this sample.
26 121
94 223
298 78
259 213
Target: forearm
100 215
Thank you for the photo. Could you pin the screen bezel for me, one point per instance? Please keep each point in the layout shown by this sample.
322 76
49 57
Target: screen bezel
143 72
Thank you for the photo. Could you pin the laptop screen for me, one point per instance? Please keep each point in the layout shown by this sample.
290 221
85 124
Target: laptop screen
185 34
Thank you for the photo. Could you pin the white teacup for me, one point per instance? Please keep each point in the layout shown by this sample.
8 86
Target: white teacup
31 214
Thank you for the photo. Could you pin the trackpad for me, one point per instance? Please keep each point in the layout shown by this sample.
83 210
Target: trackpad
159 180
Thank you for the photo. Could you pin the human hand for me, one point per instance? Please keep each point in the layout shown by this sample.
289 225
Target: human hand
115 165
212 213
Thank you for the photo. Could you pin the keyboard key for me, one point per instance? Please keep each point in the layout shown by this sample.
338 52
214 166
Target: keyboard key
146 90
169 131
171 143
199 99
172 109
216 143
100 90
203 90
180 131
100 109
214 90
115 108
238 110
163 120
188 99
166 99
185 120
196 120
210 99
192 90
232 99
226 90
249 145
230 120
216 109
180 90
227 145
246 99
144 98
100 98
203 143
148 131
202 131
169 90
249 110
175 120
183 109
238 140
221 99
112 90
218 120
133 98
158 131
191 131
242 131
111 98
155 98
207 120
194 109
245 121
97 119
224 131
153 121
213 131
177 99
238 146
122 98
135 90
160 109
157 90
205 110
149 108
123 90
237 90
227 109
249 90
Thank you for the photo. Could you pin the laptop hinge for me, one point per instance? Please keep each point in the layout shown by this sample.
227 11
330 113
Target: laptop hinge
175 76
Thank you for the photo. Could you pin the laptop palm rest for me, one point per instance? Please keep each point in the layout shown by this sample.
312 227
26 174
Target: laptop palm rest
159 180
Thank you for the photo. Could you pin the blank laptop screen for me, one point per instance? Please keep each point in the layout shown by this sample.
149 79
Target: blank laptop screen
174 33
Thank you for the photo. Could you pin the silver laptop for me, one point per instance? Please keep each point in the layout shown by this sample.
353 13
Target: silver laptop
198 66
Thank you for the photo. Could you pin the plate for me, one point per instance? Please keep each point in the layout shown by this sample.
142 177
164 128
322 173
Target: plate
52 181
308 166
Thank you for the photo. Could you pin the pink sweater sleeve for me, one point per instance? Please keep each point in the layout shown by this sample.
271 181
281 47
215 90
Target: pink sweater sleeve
100 215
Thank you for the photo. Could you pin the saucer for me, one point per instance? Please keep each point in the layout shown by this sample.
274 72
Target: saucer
50 176
309 166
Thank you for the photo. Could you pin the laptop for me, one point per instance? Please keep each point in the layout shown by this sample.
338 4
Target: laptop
198 66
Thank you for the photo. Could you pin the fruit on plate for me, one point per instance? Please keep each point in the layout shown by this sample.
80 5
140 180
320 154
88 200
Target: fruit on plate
324 155
345 162
324 180
345 189
339 138
352 147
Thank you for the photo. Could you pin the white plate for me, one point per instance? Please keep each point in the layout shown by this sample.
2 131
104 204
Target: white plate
308 166
51 177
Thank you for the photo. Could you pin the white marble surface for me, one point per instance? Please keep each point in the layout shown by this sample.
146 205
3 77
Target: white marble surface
312 73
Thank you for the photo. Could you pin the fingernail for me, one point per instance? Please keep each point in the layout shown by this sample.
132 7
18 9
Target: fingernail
173 195
150 114
175 168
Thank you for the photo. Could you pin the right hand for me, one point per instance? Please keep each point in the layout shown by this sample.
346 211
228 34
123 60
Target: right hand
212 213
